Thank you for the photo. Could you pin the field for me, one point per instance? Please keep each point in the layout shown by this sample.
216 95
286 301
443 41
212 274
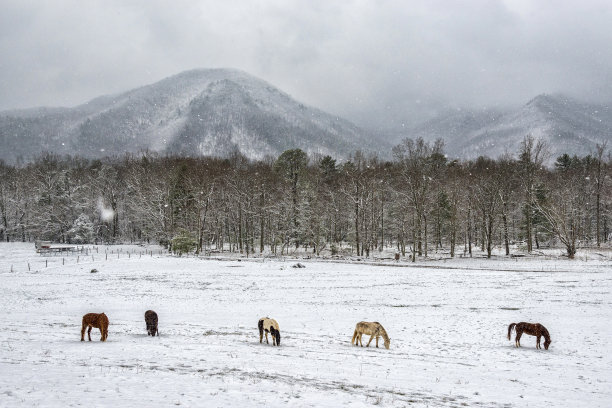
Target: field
447 322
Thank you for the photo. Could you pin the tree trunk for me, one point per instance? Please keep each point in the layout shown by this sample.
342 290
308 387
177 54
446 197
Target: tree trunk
598 216
505 221
357 220
425 233
469 232
528 225
240 247
489 234
261 223
382 222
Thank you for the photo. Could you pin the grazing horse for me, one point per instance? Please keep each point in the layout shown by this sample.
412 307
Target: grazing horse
97 320
374 329
267 325
534 329
151 321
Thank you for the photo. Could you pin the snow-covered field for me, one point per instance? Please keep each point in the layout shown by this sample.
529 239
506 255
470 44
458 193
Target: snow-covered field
447 322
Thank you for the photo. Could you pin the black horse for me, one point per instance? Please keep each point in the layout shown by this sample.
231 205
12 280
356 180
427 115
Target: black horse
151 321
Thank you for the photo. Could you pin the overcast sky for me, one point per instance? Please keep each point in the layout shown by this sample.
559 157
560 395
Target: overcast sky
365 60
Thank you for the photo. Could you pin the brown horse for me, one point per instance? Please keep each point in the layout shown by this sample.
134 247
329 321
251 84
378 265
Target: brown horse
151 321
97 320
534 329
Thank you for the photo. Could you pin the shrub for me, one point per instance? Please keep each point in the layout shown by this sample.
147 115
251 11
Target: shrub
183 243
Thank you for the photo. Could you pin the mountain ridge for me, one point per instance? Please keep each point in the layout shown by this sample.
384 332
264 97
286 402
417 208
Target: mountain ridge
197 112
220 111
565 124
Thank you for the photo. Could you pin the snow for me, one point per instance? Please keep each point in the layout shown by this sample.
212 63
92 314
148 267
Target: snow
447 322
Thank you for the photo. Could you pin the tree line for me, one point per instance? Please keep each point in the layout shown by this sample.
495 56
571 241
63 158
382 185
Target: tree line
417 203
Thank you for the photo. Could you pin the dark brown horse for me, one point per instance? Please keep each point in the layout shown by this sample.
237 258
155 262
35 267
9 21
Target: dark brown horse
534 329
97 320
151 321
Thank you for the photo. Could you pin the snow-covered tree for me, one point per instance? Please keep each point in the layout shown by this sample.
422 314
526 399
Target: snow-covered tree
82 230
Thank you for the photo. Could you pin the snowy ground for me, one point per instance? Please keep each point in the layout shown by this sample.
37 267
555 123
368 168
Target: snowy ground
447 322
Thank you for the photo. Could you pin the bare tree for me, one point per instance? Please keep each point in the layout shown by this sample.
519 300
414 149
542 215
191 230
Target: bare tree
531 157
600 183
420 163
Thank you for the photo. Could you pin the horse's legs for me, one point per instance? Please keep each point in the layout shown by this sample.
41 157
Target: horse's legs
360 341
83 332
538 342
89 332
371 337
267 342
376 341
518 338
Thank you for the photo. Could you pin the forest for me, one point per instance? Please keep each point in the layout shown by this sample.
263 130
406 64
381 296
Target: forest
418 203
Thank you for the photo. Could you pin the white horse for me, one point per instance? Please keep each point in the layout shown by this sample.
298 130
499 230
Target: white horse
267 325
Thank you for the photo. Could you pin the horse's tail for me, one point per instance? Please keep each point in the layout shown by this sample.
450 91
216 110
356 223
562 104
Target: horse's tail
354 336
510 327
260 327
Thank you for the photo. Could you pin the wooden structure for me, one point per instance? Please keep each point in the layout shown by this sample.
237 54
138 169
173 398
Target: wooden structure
43 247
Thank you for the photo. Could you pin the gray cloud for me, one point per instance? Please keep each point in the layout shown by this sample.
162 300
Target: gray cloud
376 62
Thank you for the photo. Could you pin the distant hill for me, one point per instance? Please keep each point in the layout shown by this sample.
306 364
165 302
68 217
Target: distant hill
565 124
199 112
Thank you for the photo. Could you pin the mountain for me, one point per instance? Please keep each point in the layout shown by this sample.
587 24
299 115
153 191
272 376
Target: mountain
565 124
199 112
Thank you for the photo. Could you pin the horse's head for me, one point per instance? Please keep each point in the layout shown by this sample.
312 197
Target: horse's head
547 343
276 334
387 343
